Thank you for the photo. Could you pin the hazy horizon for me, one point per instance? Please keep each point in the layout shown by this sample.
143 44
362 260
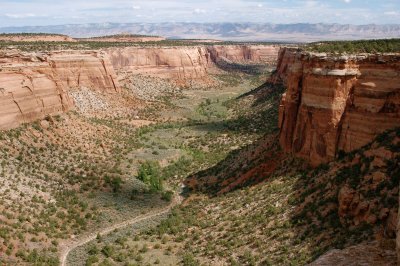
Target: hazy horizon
46 13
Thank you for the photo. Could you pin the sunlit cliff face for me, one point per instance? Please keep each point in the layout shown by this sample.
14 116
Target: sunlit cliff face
335 104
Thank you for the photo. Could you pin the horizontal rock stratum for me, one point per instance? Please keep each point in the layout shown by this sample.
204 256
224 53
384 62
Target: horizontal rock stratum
33 85
335 103
265 54
181 64
184 64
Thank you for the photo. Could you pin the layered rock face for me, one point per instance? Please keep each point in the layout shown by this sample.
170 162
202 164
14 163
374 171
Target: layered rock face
335 104
178 63
35 85
255 54
184 64
84 69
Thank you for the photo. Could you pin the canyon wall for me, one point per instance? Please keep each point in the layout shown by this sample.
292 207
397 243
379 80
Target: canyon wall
184 64
89 69
254 54
33 85
335 103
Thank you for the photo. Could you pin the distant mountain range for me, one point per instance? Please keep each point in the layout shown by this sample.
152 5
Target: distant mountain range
300 32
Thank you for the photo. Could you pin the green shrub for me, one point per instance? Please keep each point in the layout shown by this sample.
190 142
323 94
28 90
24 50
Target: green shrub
189 260
167 195
150 174
108 251
360 46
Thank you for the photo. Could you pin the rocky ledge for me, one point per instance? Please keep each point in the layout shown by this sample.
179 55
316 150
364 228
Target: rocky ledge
335 103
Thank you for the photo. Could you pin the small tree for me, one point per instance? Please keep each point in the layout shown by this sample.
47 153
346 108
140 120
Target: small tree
150 174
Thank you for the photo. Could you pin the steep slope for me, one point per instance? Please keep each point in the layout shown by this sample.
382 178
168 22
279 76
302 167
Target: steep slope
261 54
335 110
301 212
182 64
36 84
257 111
33 85
189 64
335 103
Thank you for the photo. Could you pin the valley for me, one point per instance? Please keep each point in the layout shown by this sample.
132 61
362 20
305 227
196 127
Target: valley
159 153
90 157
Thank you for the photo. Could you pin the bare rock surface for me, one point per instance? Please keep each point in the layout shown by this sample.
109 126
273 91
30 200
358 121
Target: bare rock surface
265 54
179 63
33 85
187 66
336 103
364 254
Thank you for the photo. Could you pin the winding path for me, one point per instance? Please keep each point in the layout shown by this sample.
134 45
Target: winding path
67 248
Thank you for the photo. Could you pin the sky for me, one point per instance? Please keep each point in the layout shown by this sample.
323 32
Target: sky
55 12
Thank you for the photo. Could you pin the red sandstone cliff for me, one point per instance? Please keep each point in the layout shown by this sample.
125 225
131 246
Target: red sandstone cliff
84 69
264 54
181 64
337 103
35 85
187 63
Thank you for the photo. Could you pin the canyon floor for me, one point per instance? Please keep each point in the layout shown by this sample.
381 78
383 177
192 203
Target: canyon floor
220 136
70 175
70 192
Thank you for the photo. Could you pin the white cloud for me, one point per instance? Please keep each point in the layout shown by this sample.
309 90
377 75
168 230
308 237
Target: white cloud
29 12
311 3
27 15
199 11
391 13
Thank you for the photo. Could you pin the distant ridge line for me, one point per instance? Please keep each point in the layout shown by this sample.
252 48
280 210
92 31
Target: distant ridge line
299 32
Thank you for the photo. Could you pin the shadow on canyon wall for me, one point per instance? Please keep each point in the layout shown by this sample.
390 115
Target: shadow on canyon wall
335 205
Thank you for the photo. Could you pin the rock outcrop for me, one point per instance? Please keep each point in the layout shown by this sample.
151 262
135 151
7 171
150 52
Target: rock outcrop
369 253
254 54
335 103
181 64
35 85
89 69
185 64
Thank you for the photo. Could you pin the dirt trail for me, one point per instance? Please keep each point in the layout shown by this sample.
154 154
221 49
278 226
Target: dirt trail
68 247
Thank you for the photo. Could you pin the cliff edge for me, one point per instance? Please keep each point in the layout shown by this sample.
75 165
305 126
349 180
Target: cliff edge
33 85
335 103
